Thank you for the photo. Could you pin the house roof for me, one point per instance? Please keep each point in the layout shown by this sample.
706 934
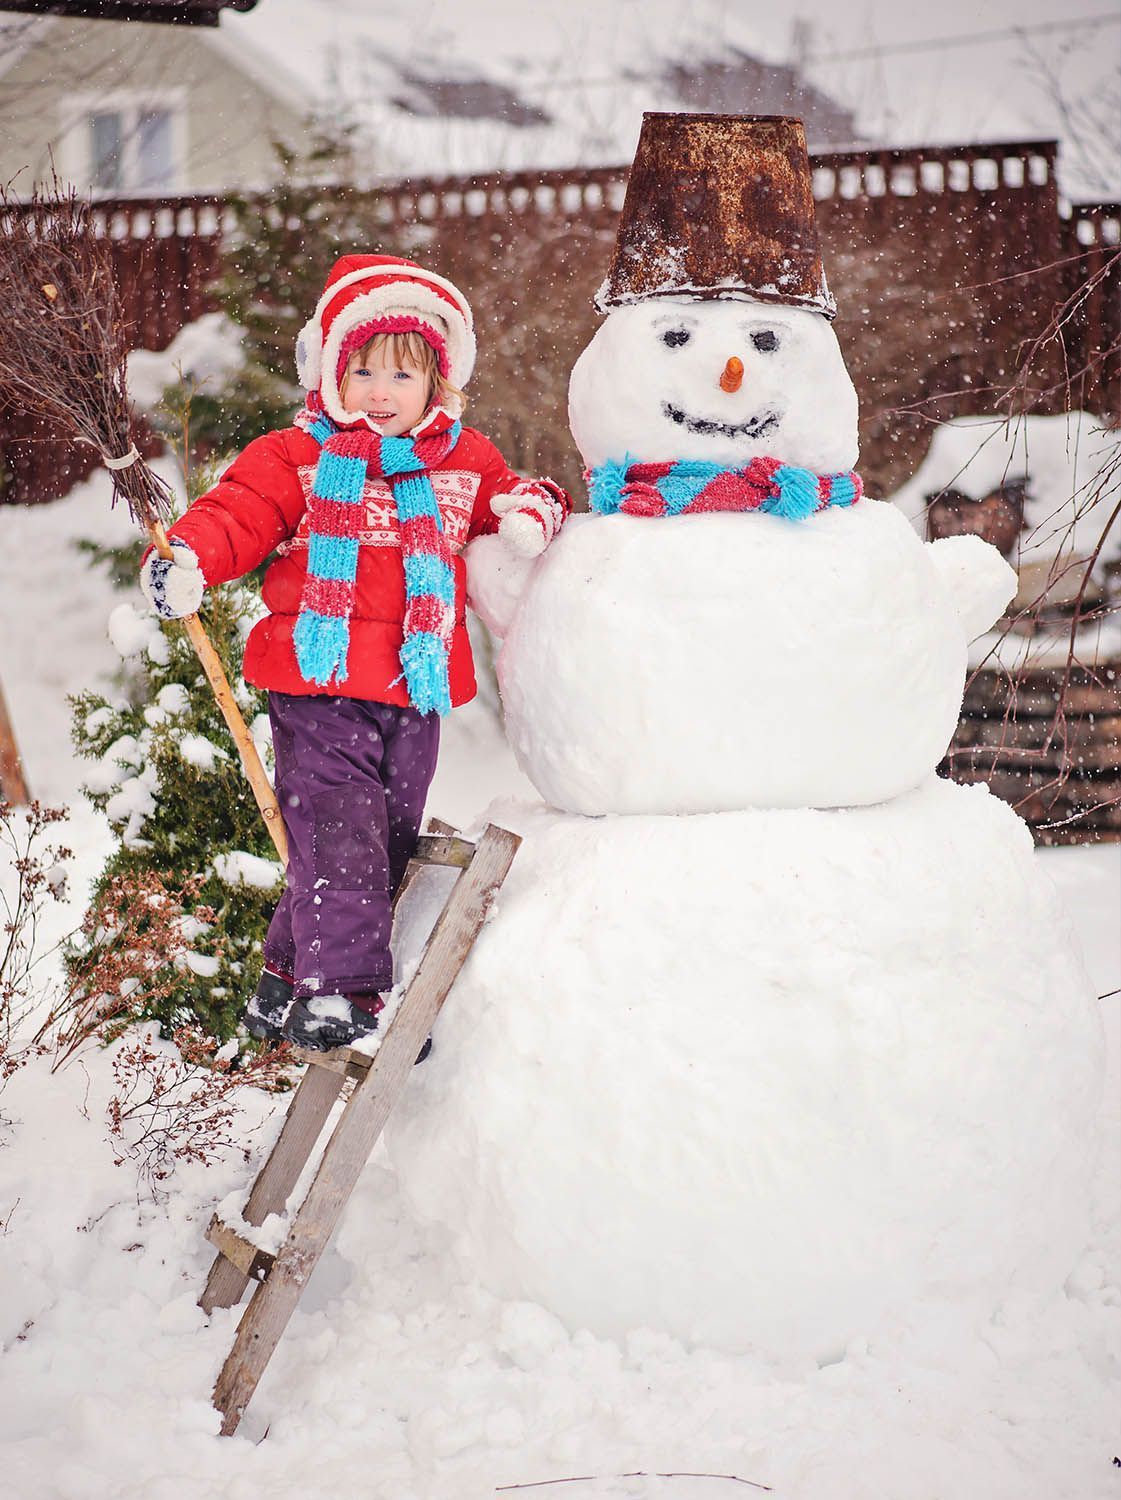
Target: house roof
445 86
439 86
167 12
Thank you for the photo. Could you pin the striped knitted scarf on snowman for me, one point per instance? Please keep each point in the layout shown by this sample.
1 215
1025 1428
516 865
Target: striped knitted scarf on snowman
688 487
336 516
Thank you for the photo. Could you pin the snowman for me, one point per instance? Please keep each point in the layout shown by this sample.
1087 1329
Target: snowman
774 1038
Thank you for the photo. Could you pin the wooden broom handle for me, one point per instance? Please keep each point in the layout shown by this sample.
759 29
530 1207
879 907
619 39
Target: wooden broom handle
250 759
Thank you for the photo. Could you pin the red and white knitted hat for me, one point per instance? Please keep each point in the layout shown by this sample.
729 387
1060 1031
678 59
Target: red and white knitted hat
369 294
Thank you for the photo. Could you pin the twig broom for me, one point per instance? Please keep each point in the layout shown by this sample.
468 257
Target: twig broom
63 357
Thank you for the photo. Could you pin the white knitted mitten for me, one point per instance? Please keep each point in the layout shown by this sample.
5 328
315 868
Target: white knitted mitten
531 518
173 587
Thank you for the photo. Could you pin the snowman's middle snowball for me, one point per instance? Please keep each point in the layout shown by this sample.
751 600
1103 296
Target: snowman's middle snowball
715 662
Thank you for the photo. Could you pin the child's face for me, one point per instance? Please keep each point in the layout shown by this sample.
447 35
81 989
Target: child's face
395 396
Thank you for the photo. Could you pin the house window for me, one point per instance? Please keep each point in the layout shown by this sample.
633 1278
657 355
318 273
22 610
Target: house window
130 146
154 165
106 144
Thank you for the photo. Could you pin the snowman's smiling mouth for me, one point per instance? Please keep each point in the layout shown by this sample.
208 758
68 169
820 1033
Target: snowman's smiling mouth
705 426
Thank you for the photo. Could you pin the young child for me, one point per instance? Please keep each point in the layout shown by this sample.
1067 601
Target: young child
368 502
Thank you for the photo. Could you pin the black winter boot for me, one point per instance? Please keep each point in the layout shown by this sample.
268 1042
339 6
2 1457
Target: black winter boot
328 1021
268 1006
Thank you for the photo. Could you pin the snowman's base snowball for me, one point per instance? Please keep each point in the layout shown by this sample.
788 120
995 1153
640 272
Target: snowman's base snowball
763 1079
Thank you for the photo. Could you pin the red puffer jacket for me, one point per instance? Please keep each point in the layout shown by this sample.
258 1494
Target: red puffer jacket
260 506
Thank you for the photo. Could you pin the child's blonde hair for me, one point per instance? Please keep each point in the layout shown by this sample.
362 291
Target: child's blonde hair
408 348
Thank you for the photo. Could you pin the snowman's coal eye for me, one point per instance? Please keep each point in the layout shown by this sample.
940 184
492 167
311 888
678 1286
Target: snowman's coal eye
675 337
766 340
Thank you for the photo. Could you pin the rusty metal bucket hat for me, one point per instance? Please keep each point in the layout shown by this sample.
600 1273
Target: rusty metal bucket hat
719 206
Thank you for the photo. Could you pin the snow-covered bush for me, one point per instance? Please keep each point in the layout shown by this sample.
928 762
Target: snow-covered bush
177 1102
32 877
167 774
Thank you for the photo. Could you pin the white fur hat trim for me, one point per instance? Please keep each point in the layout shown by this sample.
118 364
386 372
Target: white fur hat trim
310 352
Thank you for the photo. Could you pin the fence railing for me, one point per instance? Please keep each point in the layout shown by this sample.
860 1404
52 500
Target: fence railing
899 172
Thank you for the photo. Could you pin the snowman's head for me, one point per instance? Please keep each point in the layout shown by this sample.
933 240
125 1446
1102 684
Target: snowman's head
648 386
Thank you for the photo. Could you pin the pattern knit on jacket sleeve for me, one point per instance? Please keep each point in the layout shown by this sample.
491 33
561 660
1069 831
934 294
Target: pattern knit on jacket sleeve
256 505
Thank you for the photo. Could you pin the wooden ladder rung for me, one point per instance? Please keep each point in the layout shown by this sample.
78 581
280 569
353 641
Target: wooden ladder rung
343 1060
253 1262
443 849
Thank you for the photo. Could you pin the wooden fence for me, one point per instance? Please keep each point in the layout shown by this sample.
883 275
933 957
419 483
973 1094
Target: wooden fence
982 219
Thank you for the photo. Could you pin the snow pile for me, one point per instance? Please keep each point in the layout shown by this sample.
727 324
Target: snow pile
200 752
702 663
204 353
171 701
763 1080
1070 465
397 1365
53 619
239 867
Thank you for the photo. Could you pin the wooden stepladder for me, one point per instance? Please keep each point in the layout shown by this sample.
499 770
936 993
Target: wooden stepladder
378 1082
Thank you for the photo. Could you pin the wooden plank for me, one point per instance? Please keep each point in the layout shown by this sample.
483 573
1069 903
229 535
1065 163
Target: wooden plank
1057 757
13 783
1040 731
248 1258
1009 781
439 849
354 1136
437 828
310 1106
1087 691
343 1060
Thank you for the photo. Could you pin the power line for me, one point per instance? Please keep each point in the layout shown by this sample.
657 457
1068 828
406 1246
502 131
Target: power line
939 42
551 81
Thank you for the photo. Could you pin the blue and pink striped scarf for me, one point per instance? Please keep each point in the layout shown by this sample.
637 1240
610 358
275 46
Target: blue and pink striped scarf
689 486
336 516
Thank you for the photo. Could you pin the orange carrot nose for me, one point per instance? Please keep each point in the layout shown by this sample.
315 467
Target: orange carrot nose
732 376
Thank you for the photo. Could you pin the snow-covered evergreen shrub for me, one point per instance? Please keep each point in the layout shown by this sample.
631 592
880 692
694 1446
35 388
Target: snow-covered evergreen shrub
167 774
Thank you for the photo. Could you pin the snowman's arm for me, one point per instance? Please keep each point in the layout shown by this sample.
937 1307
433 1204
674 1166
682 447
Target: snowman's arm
496 579
977 579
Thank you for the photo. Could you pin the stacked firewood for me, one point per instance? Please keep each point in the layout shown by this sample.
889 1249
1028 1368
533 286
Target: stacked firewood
1049 742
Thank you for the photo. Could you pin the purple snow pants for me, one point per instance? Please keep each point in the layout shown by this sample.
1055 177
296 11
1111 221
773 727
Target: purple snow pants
351 779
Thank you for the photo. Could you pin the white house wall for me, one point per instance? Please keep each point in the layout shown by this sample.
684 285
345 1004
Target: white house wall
223 121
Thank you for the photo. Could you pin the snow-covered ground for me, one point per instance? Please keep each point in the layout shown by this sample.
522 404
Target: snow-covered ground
393 1381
